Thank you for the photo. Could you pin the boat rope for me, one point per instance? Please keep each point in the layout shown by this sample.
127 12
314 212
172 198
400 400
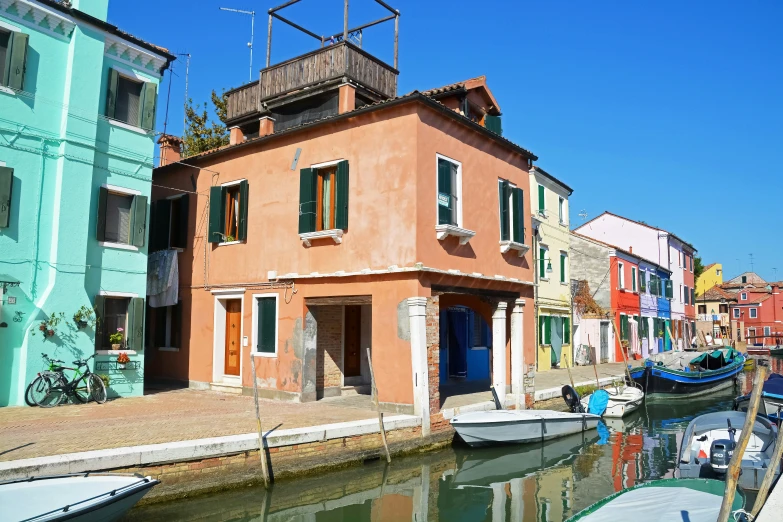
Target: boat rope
742 516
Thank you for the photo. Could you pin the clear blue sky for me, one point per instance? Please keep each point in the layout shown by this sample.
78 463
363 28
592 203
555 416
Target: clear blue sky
664 111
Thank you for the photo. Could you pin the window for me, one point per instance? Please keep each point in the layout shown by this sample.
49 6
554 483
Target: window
544 263
563 272
766 331
633 278
620 275
624 330
566 330
743 296
131 100
6 185
686 295
723 308
323 198
512 213
13 58
122 216
736 313
642 281
449 192
751 333
482 334
114 312
265 324
164 326
693 295
541 200
669 286
754 313
169 218
744 279
702 309
228 212
561 210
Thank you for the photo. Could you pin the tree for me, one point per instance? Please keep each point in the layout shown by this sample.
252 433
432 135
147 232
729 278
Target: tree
201 133
698 267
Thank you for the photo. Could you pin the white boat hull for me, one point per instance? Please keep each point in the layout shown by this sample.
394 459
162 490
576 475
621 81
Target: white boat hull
622 401
512 427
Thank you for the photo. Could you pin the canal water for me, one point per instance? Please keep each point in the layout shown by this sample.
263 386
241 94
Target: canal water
534 482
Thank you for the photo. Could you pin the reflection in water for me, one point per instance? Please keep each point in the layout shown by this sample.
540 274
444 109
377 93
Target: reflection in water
536 482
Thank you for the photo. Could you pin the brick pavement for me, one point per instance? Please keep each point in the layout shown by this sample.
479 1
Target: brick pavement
166 416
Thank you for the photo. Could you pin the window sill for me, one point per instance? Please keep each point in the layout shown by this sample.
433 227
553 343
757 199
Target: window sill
563 283
119 246
128 126
7 90
228 243
563 224
521 248
335 233
168 349
543 279
444 231
264 354
115 352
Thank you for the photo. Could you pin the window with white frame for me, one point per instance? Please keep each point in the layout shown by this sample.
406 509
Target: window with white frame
449 198
743 296
621 275
633 278
561 210
265 313
754 313
767 331
563 267
122 216
512 215
736 313
544 263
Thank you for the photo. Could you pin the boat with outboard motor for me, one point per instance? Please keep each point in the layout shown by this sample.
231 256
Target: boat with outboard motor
771 398
680 374
708 445
621 400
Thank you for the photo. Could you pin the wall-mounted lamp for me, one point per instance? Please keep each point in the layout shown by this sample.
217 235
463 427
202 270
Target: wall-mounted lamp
549 267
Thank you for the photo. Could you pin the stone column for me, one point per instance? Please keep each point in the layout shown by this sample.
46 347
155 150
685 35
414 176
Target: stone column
518 354
499 351
417 307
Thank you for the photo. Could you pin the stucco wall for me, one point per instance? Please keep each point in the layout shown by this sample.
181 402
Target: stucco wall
590 262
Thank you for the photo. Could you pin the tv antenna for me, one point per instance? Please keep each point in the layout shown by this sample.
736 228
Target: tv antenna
252 31
583 214
751 262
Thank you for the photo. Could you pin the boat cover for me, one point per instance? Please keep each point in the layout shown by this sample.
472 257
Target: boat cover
716 359
694 500
774 385
598 402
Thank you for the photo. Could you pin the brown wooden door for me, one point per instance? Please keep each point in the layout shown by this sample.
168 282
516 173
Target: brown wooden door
233 336
352 358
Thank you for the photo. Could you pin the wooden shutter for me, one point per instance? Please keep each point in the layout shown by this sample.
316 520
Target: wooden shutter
541 202
504 210
541 263
99 321
160 219
493 123
6 185
103 196
243 202
341 196
562 268
307 204
267 324
135 337
547 329
566 330
623 327
216 229
139 213
445 190
111 93
17 56
519 215
149 103
540 329
184 219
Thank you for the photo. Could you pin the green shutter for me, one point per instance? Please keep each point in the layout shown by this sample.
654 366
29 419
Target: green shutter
504 210
540 329
566 330
111 93
139 213
244 194
307 204
633 278
103 196
445 191
99 322
135 333
6 184
541 202
562 268
160 219
542 263
17 55
547 329
267 324
149 103
216 215
519 215
341 196
624 327
493 123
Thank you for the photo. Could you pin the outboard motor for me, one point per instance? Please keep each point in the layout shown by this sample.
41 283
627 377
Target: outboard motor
721 451
572 400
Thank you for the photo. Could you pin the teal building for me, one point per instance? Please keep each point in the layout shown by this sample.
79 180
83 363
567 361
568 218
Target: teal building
78 98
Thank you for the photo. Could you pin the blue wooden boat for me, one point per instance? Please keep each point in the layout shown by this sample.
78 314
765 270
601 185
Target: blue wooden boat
771 398
684 374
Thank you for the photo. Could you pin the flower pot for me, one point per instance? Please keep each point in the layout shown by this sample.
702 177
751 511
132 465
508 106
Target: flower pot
115 346
81 324
120 366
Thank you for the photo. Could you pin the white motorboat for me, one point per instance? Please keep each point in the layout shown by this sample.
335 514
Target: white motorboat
622 401
708 445
519 427
84 497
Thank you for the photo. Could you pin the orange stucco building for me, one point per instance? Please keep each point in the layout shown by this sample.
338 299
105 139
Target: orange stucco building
309 244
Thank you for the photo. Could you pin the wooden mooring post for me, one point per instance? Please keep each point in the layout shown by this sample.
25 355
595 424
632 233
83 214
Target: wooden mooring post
594 354
732 474
261 450
378 407
761 497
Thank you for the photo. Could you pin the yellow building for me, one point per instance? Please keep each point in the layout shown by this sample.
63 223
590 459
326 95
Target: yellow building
551 243
712 276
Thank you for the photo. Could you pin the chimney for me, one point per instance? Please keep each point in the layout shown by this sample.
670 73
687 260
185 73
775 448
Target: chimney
96 8
170 149
347 98
266 126
236 136
630 249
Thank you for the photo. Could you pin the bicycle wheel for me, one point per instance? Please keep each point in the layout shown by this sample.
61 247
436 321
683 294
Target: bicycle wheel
36 390
82 390
98 389
51 393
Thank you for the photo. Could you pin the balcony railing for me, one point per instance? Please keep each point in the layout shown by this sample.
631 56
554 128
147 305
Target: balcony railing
326 64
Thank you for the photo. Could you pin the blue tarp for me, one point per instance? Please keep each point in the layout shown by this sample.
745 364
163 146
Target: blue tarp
598 401
774 384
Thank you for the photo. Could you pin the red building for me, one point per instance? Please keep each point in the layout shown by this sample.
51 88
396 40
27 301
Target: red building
759 312
624 296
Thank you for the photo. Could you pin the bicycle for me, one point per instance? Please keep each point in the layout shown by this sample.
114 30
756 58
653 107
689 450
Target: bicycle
38 386
83 386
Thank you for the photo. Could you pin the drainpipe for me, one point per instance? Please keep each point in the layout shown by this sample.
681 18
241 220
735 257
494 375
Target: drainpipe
535 291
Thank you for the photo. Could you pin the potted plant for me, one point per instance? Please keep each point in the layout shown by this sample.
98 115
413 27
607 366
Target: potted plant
105 379
122 360
48 326
84 317
116 339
